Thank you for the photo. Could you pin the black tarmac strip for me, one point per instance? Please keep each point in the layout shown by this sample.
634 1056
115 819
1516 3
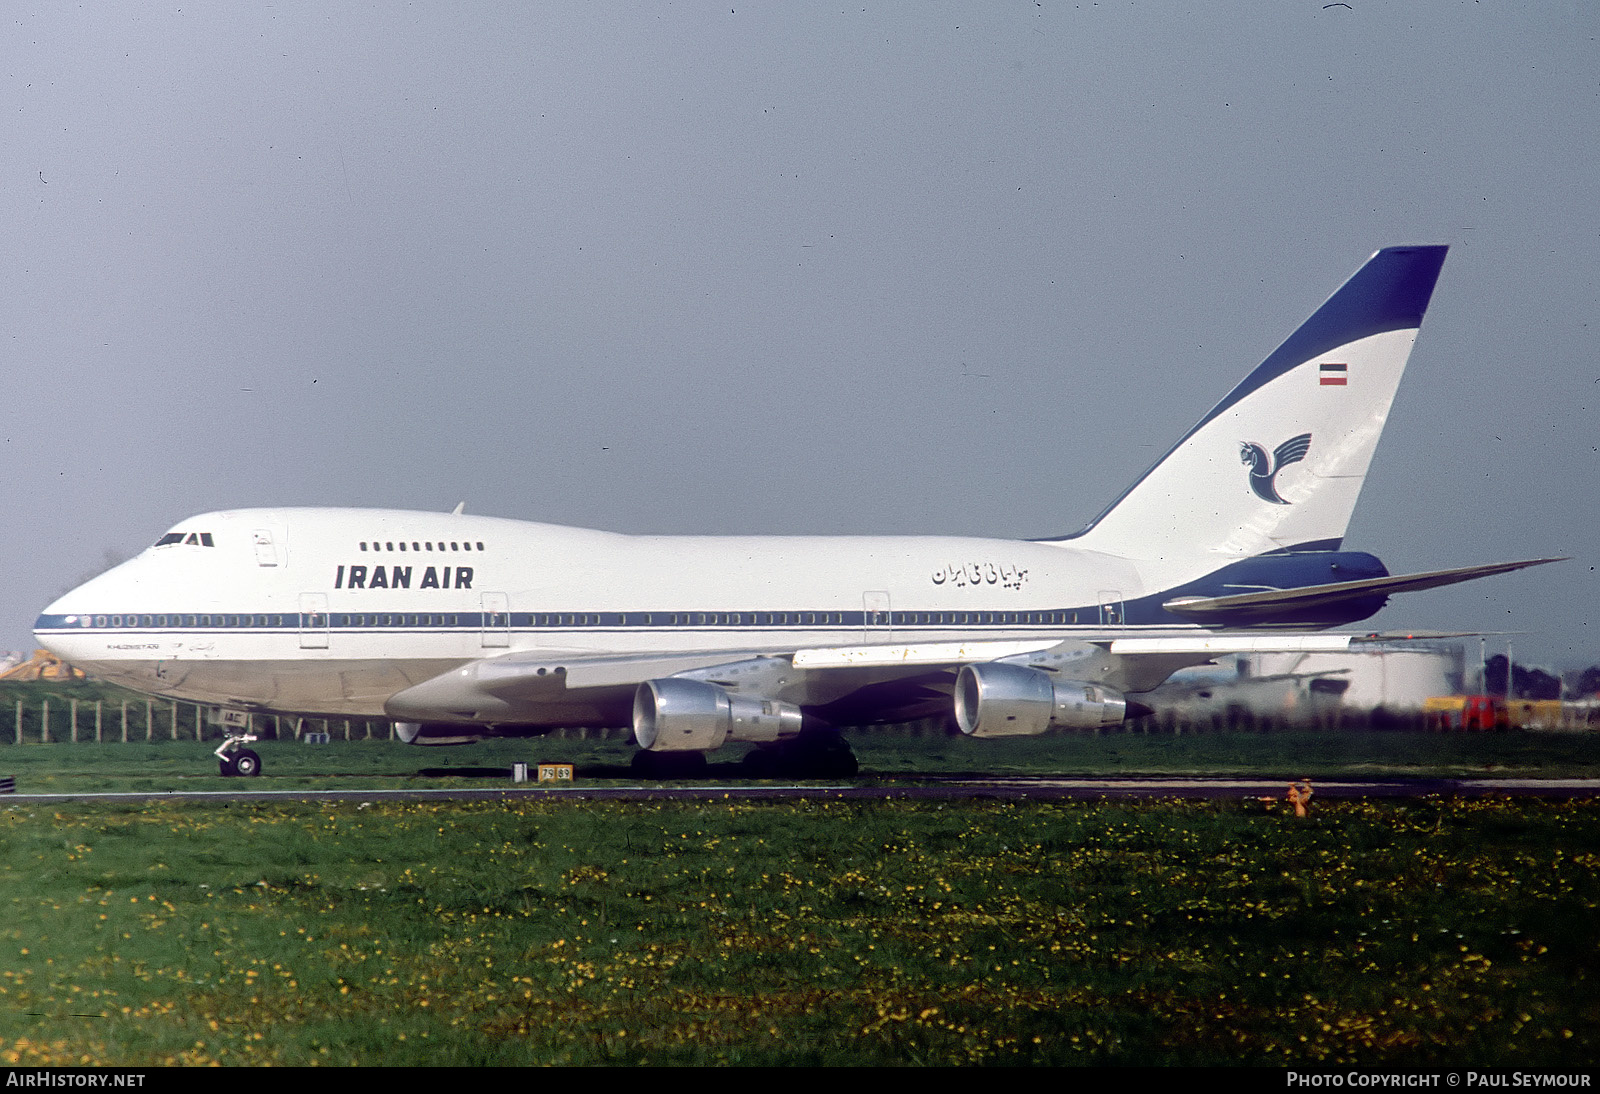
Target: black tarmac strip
922 788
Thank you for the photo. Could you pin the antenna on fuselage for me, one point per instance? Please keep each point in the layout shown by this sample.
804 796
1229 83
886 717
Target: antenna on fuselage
460 508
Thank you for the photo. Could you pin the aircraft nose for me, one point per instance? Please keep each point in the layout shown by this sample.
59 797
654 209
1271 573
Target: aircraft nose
59 616
50 628
73 611
72 602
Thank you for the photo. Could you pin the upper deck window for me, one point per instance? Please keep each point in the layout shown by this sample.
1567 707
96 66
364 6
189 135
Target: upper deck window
372 545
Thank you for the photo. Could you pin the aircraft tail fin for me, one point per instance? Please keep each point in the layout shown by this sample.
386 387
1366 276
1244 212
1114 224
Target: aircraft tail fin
1278 463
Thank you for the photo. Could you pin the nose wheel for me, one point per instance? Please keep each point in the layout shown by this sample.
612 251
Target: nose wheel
235 759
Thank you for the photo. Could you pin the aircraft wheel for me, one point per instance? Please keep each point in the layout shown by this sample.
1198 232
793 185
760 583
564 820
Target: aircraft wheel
669 765
762 763
822 756
246 764
841 764
228 770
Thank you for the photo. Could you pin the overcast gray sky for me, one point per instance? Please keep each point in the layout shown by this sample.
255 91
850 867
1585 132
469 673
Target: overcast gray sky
746 268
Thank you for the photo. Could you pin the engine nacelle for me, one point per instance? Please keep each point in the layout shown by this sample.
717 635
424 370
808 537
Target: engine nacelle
995 699
427 733
676 715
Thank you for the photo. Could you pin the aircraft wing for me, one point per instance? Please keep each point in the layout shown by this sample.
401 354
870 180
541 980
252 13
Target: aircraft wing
842 685
1258 608
534 686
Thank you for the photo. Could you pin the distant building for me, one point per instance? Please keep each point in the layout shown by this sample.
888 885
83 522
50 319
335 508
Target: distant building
44 665
1380 681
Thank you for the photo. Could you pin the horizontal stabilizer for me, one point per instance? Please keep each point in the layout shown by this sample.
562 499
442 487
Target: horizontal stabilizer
1242 608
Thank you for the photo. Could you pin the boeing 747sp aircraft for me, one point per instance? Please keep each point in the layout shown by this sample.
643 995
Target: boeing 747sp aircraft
462 627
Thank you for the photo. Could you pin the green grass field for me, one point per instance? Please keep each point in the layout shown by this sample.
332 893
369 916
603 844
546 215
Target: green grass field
555 930
1326 754
560 931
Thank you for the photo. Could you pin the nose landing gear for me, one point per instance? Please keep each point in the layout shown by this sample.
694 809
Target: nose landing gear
235 759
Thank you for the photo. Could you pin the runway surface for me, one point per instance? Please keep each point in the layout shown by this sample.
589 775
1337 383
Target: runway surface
1037 789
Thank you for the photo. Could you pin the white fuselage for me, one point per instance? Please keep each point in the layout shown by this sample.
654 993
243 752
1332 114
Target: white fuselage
332 611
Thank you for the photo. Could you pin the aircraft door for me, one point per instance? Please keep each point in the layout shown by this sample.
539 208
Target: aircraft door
266 551
313 621
877 622
1111 608
496 620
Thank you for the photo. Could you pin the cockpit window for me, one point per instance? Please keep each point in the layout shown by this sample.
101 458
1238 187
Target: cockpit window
195 539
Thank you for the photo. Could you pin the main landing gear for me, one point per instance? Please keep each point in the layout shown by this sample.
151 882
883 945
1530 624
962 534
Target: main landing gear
668 765
812 755
823 755
235 759
808 756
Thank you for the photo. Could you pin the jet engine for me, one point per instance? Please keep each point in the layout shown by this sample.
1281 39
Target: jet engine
994 699
677 715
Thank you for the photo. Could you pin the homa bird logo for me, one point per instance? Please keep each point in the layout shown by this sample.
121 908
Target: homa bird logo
1264 473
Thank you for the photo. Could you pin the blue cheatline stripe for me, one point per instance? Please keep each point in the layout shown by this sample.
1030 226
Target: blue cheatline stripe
360 622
